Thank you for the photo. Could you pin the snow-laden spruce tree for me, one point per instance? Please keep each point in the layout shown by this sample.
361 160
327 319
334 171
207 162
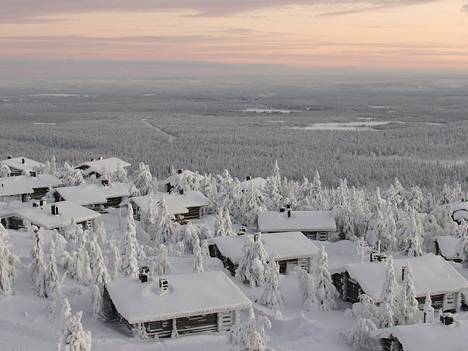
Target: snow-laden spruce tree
253 263
115 260
71 176
86 275
38 265
365 308
98 265
167 229
73 336
250 335
150 220
144 181
160 265
325 291
223 223
120 175
51 278
100 234
252 203
130 248
189 236
307 289
409 305
7 263
361 337
5 171
198 259
388 308
362 249
271 294
414 235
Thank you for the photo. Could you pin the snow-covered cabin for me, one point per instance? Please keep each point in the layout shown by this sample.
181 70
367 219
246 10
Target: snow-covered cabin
289 250
180 177
431 274
48 216
189 204
449 247
316 225
20 165
101 195
436 336
179 304
249 183
26 187
102 166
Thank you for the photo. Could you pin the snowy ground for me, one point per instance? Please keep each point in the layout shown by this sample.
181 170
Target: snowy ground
25 325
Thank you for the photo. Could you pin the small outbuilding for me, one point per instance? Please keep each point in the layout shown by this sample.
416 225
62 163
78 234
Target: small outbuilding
177 305
289 250
102 166
431 274
316 225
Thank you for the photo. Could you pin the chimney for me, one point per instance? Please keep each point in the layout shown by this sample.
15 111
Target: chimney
33 174
101 158
288 206
289 213
23 161
447 318
179 171
9 157
181 191
403 271
54 209
242 230
105 182
144 274
93 159
256 237
163 286
248 178
282 209
42 203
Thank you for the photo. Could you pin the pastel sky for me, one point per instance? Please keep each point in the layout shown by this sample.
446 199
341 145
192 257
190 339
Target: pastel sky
303 34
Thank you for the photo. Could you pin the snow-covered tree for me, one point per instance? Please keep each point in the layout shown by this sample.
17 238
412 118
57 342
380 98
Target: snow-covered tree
145 182
361 337
7 263
414 235
428 310
271 294
324 289
362 249
307 289
4 171
38 266
73 336
160 266
198 259
130 248
190 237
100 234
252 203
408 303
52 279
251 334
365 309
253 262
150 220
85 273
167 228
115 260
389 308
97 265
223 223
71 176
120 175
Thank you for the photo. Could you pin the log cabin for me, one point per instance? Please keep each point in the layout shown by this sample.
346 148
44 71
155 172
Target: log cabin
176 181
26 187
446 334
102 166
315 225
98 196
431 274
21 165
289 250
48 216
179 304
184 205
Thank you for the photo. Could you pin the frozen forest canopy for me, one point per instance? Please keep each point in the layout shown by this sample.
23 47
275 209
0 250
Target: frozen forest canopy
410 128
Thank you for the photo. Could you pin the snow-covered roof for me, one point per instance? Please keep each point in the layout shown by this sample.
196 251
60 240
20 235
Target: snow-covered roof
282 246
429 336
189 294
460 214
17 163
340 253
93 194
26 184
450 246
68 211
256 183
304 221
175 178
176 203
431 273
105 165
